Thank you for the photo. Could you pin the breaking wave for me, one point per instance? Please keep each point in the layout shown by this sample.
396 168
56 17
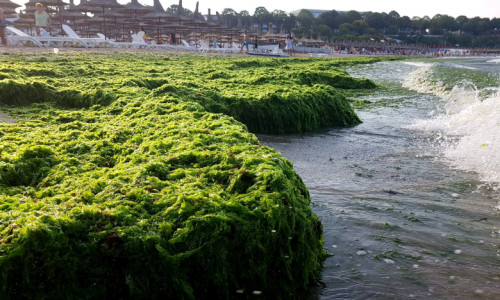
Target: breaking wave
468 123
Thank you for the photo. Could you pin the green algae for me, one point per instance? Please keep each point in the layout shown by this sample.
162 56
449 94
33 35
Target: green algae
150 189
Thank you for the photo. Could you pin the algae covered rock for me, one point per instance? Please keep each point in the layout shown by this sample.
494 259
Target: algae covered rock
191 211
130 179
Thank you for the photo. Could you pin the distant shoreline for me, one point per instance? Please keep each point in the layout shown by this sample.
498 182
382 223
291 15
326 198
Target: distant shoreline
6 50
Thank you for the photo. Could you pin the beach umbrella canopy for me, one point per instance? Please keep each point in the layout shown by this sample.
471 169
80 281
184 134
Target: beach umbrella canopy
159 17
25 21
102 4
71 15
82 7
95 20
9 12
159 13
135 8
8 4
46 3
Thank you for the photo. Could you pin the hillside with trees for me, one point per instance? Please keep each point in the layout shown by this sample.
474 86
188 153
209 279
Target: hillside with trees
332 25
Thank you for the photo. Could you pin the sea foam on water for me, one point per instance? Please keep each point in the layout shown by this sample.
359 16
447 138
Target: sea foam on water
470 122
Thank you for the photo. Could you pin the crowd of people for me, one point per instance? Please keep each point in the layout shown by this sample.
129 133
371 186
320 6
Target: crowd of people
433 52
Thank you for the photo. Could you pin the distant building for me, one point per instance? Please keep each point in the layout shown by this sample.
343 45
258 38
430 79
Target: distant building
315 12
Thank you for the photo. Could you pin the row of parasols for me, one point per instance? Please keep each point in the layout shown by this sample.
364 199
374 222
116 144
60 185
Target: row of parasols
118 21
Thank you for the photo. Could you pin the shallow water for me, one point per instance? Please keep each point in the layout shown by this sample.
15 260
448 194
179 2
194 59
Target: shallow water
402 217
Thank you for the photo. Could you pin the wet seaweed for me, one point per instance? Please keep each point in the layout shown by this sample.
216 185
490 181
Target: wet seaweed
111 186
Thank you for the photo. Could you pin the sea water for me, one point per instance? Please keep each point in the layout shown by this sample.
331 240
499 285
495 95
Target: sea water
409 199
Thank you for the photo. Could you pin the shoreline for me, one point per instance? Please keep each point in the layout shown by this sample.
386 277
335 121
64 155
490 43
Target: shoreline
7 50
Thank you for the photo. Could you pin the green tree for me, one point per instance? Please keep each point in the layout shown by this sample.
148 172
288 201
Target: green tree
441 23
420 24
172 9
348 17
306 19
483 26
404 22
360 26
394 16
354 15
393 29
346 29
495 24
324 32
291 22
328 18
230 17
279 17
375 20
262 15
461 21
246 18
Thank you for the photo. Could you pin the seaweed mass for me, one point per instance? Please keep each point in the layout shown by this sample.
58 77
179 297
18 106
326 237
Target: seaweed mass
138 176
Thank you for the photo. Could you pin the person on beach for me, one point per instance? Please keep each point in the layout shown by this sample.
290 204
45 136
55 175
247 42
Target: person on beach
172 39
42 19
145 36
245 42
256 45
289 41
2 27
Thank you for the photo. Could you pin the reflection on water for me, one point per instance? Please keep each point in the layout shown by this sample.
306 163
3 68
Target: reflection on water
398 220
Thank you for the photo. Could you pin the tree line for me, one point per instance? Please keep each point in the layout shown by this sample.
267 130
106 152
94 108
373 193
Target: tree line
333 25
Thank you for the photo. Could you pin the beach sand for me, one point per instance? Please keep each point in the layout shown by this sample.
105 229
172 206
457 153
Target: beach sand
5 118
5 50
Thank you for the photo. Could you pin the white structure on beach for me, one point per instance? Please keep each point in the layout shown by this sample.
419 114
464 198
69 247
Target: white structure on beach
314 12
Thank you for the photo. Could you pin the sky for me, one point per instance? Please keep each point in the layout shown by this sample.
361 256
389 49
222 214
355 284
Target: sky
469 8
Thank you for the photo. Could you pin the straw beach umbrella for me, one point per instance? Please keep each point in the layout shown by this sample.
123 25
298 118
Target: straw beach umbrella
84 9
25 21
195 24
135 8
159 17
115 19
71 16
102 4
9 12
8 7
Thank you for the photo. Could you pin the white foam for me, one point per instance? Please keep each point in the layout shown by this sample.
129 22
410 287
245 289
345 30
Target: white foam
418 63
454 65
496 60
468 130
478 149
418 80
475 127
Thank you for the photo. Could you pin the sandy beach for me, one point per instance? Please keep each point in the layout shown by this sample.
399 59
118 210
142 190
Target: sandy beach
5 118
68 50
